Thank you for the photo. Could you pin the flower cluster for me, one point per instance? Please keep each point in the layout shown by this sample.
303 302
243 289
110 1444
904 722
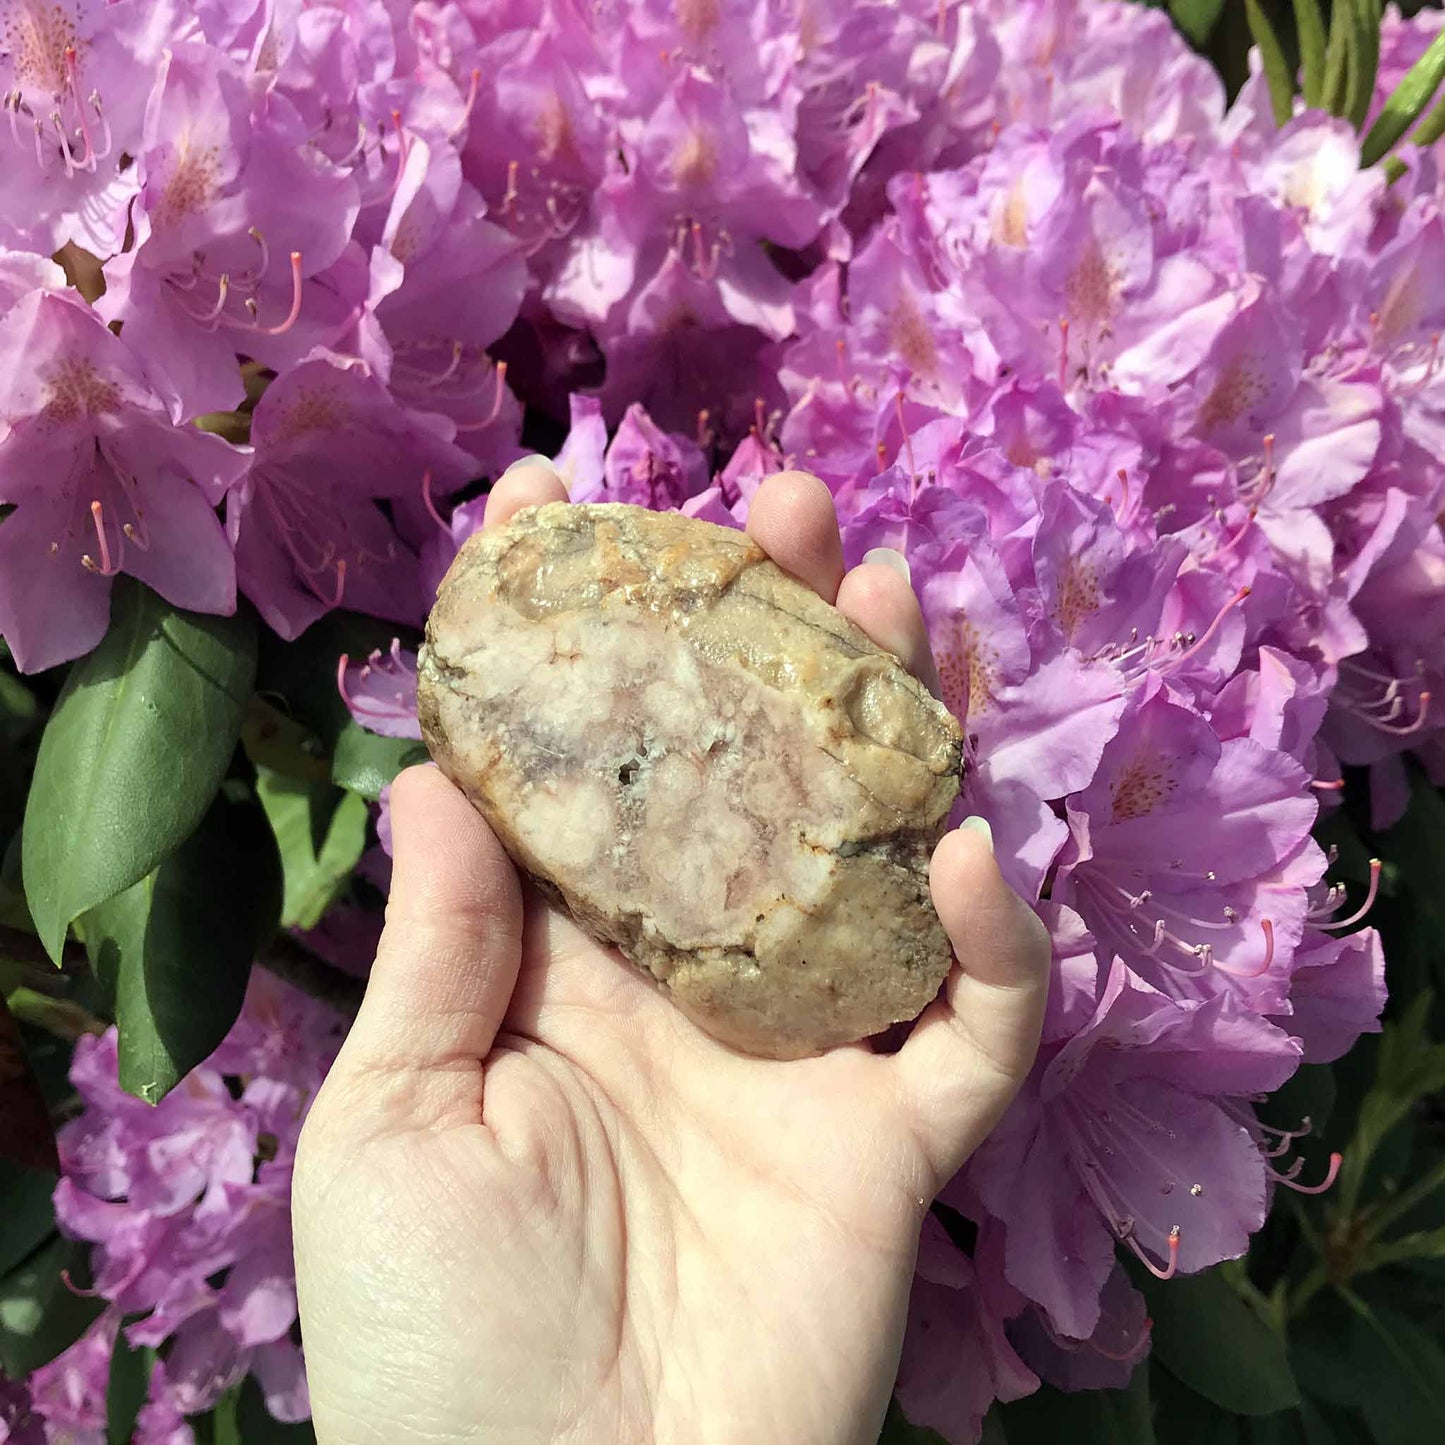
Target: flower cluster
1147 391
187 1204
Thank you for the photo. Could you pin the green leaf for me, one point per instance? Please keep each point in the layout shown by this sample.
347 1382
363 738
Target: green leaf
175 949
1196 18
1088 1417
133 753
27 1216
40 1315
365 762
1430 129
1424 1244
130 1374
1310 28
321 832
1181 1414
1271 55
1330 1425
1409 1068
274 740
1407 1367
1406 103
1212 1341
1365 62
1337 56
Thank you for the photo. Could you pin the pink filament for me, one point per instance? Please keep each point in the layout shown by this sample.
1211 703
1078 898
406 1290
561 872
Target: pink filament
1365 907
1169 1270
1331 1175
430 505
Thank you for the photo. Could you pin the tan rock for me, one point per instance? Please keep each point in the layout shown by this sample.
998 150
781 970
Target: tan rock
708 765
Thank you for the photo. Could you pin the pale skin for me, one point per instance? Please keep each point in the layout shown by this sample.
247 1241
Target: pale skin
534 1203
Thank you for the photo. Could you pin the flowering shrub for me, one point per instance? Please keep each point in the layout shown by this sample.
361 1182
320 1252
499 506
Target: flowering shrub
1147 390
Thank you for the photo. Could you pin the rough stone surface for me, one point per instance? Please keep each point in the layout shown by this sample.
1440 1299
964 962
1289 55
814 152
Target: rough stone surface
708 765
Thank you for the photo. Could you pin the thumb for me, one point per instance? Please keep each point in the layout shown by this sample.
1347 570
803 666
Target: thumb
972 1047
445 967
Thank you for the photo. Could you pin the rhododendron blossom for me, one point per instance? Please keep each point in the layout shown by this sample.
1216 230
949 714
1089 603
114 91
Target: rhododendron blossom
1147 390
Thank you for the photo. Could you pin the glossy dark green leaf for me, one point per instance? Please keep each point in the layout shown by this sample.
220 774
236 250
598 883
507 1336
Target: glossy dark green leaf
1206 1336
40 1315
1182 1414
1089 1417
1406 103
130 1373
27 1216
365 762
133 753
1332 1425
175 949
320 831
1407 1402
1196 18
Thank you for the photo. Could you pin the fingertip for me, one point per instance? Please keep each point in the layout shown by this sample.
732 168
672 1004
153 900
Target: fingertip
448 868
998 938
881 600
529 482
792 518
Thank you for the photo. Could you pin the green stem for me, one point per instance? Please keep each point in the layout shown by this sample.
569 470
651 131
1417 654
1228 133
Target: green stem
1306 1290
1405 1201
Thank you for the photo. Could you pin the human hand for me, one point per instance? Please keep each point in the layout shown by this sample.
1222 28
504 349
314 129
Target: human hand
534 1203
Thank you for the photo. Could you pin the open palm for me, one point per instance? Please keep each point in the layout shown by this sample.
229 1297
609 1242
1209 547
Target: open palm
535 1203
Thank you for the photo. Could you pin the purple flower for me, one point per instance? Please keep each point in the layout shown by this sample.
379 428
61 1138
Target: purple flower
1337 992
19 1424
69 1392
241 235
1106 1360
381 692
1118 1138
329 441
445 284
102 482
75 78
187 1203
1189 857
957 1359
644 466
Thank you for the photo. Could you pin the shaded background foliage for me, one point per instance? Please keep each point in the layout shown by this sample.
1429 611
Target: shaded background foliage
1328 1332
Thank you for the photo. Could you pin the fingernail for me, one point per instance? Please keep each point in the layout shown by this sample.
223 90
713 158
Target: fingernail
888 557
978 825
533 459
